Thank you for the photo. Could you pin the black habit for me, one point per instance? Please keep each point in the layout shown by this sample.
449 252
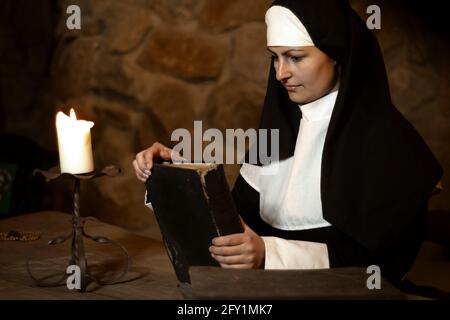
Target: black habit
377 173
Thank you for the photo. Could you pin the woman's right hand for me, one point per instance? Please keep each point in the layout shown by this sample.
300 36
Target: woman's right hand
144 160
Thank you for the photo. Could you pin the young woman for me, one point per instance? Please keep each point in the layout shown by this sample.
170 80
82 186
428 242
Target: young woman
354 177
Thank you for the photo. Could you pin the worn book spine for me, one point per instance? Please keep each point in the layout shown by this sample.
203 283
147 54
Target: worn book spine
222 209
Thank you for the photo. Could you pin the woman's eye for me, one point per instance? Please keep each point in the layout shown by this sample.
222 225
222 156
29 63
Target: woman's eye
275 58
295 59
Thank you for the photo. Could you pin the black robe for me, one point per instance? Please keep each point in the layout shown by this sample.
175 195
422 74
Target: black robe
377 172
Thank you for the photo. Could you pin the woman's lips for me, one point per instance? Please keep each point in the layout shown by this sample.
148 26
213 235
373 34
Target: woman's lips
291 88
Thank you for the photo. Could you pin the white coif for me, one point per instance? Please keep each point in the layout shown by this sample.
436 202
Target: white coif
285 29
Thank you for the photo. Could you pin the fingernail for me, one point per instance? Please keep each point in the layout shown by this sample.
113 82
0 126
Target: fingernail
148 172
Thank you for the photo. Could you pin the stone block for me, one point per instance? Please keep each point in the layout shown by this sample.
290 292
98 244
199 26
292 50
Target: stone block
184 54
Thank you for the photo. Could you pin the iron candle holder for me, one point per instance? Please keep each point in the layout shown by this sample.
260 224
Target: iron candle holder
78 257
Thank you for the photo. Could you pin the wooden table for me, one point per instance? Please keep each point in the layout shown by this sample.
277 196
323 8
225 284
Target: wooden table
323 284
150 276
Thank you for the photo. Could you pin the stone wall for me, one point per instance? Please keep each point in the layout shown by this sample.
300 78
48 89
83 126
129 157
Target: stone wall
141 68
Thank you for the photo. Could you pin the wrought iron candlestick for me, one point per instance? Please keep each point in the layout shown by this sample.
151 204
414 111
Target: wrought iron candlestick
78 257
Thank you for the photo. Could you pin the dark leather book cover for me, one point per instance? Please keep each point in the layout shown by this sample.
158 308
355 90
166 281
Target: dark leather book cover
193 205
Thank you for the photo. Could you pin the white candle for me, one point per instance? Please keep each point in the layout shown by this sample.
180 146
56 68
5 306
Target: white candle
74 144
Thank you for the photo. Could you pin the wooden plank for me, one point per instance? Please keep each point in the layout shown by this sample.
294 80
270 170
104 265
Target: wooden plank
340 283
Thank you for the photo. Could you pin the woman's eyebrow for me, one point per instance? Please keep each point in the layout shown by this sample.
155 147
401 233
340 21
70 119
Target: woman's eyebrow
285 52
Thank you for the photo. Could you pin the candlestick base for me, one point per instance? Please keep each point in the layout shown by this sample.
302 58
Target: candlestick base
78 257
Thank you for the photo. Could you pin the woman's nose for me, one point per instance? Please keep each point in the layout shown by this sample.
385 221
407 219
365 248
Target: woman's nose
283 72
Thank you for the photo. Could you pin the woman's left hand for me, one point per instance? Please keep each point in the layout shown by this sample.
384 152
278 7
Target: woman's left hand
240 251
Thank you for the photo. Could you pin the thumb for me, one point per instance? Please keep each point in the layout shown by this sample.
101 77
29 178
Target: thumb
165 154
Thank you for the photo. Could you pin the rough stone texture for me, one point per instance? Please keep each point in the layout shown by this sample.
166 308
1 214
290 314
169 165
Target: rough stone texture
109 75
176 11
125 25
140 69
72 67
250 57
171 103
184 54
224 15
121 195
239 98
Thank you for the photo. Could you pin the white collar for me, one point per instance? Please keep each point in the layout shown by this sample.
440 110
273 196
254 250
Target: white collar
319 109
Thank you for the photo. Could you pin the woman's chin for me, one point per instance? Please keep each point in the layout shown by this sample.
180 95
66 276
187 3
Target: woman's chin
298 98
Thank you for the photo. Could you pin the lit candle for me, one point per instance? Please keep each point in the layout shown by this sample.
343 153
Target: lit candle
74 144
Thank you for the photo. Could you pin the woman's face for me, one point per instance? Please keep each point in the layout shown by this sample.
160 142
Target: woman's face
306 72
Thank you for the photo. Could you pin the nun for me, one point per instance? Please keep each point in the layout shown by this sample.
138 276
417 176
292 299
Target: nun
353 177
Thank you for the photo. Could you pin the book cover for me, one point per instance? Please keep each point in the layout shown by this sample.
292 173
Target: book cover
192 204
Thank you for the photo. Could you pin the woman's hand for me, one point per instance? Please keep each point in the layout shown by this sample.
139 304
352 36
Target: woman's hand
144 160
241 251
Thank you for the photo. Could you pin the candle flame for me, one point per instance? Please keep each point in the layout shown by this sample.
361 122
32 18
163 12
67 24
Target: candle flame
63 120
73 115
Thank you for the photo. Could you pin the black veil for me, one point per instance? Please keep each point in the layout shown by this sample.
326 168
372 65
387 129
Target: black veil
377 172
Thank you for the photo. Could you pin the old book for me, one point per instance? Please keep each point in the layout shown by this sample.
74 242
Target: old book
192 204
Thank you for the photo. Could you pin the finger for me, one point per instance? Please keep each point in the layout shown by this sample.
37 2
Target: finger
136 168
166 153
235 266
147 162
139 174
238 259
228 250
141 162
140 178
161 150
230 240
